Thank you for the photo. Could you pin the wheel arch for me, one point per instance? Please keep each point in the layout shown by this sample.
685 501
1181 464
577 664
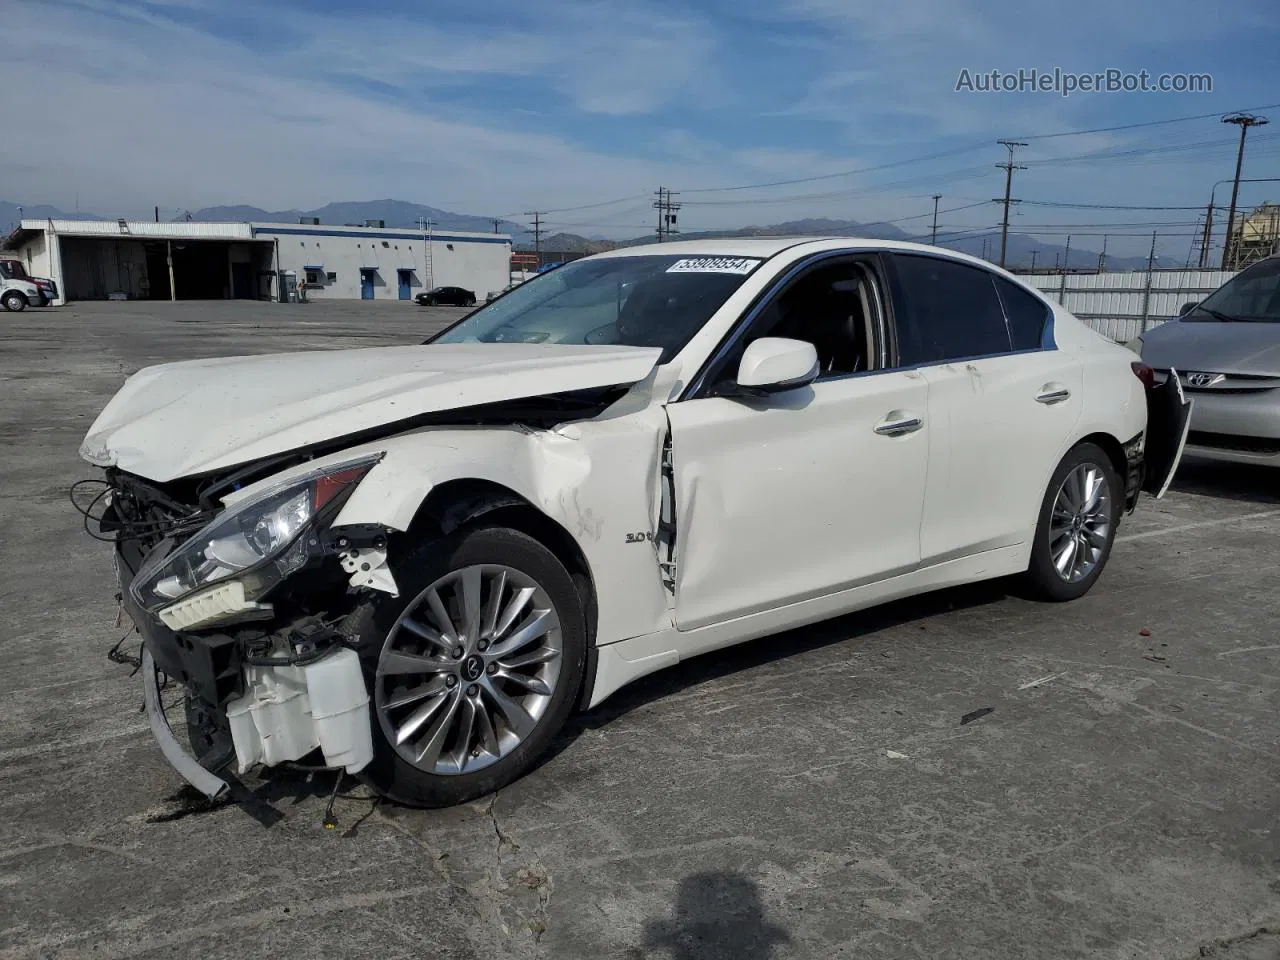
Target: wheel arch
1113 448
469 501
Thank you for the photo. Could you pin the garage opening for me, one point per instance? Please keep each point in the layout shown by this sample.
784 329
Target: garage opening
137 269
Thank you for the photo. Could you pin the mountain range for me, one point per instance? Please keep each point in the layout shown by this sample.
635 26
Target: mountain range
403 214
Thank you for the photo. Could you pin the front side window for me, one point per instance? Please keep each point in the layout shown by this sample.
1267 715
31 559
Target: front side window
1250 297
948 311
834 306
646 301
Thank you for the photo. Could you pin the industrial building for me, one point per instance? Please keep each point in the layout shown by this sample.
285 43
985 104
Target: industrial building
143 260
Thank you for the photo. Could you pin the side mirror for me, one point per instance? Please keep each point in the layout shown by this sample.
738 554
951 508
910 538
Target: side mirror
1188 307
774 364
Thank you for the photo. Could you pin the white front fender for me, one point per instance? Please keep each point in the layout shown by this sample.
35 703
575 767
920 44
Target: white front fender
597 479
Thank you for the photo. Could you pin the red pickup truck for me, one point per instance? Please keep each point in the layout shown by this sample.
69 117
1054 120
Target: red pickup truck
11 269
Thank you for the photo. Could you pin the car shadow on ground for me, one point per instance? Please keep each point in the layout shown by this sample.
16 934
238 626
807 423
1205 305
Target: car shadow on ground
1228 481
779 646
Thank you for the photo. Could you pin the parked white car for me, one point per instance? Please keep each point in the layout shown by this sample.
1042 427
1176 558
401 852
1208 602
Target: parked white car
421 559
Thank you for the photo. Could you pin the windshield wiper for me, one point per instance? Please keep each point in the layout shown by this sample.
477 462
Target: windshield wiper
1220 317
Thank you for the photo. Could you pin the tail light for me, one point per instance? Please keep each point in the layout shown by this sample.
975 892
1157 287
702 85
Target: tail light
1145 374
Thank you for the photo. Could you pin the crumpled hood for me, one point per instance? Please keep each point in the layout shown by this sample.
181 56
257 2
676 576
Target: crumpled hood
179 419
1214 347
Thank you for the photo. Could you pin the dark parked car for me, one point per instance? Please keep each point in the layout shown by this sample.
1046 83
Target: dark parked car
446 297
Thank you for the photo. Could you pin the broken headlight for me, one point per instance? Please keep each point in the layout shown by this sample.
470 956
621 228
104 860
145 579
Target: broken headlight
258 542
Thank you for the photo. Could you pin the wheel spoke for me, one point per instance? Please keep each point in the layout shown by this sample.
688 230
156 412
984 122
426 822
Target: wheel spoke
517 604
496 591
1093 491
529 659
413 723
398 663
447 629
425 632
470 591
465 724
517 717
532 684
1096 537
530 630
429 755
403 698
1066 557
488 736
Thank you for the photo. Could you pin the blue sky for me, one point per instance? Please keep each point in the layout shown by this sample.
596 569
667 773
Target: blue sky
496 107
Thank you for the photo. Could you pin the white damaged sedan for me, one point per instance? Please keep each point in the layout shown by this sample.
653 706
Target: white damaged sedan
419 560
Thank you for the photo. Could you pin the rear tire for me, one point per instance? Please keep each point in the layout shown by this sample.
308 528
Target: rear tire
429 691
1077 525
14 301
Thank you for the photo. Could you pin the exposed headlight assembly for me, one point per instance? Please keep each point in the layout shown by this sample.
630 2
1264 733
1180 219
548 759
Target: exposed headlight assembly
249 547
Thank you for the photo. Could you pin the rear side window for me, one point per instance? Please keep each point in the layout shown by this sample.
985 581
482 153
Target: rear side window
949 311
1027 315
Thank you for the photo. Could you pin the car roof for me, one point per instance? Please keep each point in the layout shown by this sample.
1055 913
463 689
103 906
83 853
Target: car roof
770 246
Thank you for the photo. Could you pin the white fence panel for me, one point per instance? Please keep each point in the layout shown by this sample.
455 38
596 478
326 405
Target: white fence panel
1122 305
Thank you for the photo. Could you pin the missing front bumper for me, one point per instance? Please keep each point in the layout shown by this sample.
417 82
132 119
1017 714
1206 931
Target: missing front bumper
208 783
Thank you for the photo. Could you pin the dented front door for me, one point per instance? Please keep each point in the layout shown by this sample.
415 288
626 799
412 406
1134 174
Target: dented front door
809 492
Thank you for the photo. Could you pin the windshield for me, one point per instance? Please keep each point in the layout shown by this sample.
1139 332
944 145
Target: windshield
1252 296
645 301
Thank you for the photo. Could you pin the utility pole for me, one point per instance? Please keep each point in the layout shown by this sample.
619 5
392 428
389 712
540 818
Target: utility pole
666 208
1066 257
157 214
1102 257
497 222
984 248
537 232
1034 253
1208 236
933 239
1008 167
1244 121
1151 257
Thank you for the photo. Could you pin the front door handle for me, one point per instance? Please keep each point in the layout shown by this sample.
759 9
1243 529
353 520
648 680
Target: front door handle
1052 393
899 423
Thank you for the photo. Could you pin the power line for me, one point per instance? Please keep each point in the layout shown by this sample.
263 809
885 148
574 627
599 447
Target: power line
1135 126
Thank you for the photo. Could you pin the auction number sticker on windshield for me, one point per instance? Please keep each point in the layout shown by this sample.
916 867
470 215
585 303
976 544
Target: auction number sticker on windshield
742 265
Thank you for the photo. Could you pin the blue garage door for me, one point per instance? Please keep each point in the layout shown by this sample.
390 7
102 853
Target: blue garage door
404 276
366 283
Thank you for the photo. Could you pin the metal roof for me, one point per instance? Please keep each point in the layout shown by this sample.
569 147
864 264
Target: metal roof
143 229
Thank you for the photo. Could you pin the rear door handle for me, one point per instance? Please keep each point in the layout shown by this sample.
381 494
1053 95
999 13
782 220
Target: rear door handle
898 424
1052 393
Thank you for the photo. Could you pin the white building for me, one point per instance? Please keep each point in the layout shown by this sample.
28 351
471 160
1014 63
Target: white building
142 260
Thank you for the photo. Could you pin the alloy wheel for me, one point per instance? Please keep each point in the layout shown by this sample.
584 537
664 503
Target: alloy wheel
468 669
1080 526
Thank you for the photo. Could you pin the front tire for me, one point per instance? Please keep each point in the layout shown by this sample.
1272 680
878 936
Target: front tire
1077 525
473 669
14 301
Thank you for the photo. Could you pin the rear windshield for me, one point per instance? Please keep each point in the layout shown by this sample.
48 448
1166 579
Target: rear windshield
646 301
1252 296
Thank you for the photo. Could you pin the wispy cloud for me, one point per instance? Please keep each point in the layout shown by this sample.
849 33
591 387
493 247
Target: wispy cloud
499 105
